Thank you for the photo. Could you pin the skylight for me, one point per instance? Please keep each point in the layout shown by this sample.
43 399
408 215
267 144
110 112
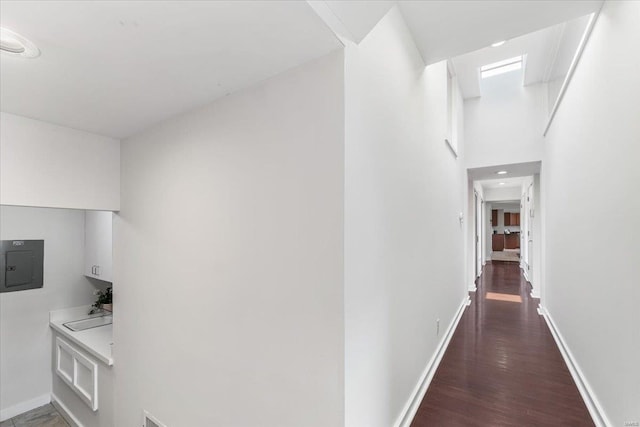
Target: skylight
500 67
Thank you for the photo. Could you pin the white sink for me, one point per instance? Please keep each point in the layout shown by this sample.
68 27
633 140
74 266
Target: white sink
92 322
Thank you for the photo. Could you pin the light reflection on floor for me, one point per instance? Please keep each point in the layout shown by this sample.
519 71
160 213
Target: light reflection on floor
503 297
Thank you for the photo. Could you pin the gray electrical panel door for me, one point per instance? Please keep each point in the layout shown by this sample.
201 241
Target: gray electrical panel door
21 264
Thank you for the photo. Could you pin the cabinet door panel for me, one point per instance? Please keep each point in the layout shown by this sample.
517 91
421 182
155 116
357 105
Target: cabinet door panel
64 361
78 371
85 381
98 245
90 243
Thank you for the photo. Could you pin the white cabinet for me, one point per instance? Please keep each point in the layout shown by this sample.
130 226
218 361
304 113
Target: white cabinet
82 386
98 245
78 371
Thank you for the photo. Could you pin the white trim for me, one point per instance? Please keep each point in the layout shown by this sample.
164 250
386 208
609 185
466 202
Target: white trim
534 293
591 401
65 412
25 406
413 403
472 288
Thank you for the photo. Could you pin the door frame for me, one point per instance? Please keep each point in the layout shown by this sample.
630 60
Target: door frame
478 221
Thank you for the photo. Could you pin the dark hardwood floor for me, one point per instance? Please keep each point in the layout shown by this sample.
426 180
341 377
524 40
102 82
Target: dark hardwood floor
502 366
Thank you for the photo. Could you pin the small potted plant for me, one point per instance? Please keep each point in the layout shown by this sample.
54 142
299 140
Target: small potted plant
104 301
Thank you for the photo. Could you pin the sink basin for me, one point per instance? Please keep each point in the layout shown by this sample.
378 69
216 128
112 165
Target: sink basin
92 322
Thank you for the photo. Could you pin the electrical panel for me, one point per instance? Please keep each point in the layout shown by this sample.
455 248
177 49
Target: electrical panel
21 265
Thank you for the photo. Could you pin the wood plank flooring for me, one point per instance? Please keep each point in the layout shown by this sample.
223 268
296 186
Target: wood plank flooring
44 416
502 366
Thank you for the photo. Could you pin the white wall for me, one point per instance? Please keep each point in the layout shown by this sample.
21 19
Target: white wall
229 260
42 164
591 163
404 244
25 344
502 193
505 124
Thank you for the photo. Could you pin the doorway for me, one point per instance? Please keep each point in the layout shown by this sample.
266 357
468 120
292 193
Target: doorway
506 240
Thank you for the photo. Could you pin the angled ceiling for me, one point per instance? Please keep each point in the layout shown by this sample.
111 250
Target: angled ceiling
463 30
359 17
115 68
444 29
538 47
549 53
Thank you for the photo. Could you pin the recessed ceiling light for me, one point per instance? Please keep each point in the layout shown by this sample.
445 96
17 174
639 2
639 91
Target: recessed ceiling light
501 172
14 44
502 183
500 43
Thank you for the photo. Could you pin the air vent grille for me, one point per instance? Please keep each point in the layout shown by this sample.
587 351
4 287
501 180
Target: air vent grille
151 421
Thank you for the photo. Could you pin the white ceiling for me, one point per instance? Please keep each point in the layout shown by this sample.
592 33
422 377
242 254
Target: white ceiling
463 30
549 53
538 46
444 29
516 175
359 17
115 68
503 182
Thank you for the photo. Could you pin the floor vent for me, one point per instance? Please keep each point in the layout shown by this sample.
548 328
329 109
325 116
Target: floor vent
151 421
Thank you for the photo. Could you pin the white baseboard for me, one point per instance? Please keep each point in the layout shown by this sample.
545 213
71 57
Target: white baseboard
412 405
591 401
534 293
23 407
64 411
472 288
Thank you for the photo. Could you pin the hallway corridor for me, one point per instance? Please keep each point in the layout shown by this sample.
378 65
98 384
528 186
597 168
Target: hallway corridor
502 366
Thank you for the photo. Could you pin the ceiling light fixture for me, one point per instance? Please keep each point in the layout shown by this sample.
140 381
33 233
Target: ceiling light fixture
497 44
502 183
14 44
501 172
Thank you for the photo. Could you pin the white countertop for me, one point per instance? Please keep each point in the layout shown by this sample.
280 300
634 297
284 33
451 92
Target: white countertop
96 341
